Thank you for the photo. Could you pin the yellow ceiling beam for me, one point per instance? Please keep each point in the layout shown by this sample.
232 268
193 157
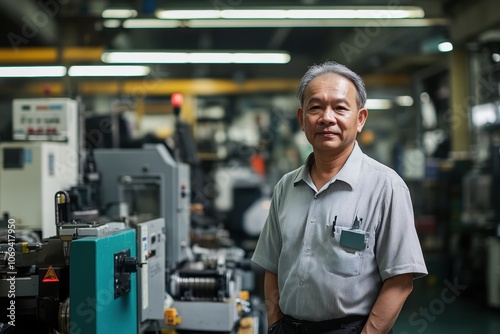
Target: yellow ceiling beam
76 54
35 88
139 89
45 55
151 86
99 88
143 88
28 55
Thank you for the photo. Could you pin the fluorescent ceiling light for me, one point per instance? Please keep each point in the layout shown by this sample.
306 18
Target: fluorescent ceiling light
370 12
150 23
254 14
277 23
112 23
119 13
445 47
108 71
196 57
404 100
296 23
32 71
188 14
324 14
378 104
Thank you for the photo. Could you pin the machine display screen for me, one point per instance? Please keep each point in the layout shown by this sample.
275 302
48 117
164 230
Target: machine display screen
142 197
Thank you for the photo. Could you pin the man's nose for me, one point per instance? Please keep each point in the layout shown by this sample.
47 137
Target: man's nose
328 116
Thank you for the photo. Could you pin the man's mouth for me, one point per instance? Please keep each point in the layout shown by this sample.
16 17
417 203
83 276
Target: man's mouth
327 133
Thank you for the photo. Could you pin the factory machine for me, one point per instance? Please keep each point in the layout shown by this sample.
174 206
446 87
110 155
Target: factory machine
203 286
131 267
42 159
61 270
83 279
144 184
481 197
207 293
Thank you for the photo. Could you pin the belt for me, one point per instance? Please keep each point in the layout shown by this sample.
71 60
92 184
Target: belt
301 326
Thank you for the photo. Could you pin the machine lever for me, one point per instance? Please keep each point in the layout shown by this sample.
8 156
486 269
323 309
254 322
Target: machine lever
130 264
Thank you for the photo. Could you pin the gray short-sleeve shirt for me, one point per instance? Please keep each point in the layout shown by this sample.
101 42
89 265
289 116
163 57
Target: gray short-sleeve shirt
318 277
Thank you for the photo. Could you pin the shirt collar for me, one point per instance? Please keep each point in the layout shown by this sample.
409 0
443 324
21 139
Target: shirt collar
349 173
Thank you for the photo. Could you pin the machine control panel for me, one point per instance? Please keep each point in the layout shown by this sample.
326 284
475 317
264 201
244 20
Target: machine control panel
43 119
151 250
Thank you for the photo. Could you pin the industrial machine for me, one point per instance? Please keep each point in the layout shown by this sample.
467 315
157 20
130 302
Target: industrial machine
244 199
208 293
125 265
151 277
203 286
42 159
83 280
145 184
481 202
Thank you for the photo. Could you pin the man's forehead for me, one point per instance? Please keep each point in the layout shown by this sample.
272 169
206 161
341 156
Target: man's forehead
329 82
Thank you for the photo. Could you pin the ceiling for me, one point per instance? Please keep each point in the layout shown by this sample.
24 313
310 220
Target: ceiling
371 47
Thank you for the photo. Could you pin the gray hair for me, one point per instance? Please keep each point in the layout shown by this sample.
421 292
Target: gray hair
336 68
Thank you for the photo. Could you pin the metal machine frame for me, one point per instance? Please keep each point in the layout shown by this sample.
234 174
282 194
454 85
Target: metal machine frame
151 164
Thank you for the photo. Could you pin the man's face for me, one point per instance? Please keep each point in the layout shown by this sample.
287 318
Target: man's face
330 117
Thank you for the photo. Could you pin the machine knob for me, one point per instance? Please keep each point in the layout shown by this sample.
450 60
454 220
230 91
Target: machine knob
130 264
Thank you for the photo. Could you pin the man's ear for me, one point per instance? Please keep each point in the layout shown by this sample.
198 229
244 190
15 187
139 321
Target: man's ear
362 116
300 117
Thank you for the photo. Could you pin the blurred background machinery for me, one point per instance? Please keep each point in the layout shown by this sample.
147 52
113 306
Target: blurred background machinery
74 282
42 159
104 244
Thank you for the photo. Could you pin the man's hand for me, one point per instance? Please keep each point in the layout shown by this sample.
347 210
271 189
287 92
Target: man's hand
272 295
389 302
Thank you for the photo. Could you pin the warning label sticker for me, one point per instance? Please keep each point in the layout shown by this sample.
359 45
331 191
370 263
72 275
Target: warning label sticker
50 276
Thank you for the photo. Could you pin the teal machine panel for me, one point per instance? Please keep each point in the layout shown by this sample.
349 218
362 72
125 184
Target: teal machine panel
94 306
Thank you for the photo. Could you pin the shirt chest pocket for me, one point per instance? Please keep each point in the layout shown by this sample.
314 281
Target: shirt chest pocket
341 260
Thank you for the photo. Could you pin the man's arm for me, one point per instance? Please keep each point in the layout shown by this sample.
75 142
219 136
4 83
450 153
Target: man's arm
389 302
272 295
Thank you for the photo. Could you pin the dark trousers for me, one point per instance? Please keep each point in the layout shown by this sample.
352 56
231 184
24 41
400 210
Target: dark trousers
347 325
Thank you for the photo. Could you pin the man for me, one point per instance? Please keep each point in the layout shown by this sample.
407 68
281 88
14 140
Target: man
339 246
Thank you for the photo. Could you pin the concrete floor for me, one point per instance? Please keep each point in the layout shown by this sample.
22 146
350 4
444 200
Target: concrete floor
442 306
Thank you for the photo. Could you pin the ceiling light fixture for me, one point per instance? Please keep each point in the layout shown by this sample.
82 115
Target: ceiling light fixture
196 57
119 13
150 24
370 12
403 16
112 23
378 104
32 71
108 71
445 47
404 100
188 14
276 23
295 23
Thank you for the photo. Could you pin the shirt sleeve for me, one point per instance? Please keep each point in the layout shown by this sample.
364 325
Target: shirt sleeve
397 245
268 249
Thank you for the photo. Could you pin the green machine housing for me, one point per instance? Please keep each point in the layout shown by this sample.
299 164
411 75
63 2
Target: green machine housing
103 289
